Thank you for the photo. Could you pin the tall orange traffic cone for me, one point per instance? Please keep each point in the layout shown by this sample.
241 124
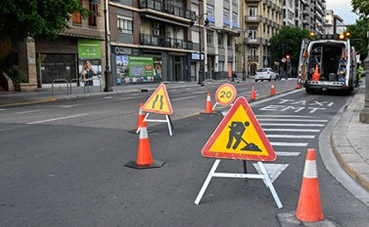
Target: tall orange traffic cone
253 94
309 208
272 90
316 74
144 157
209 107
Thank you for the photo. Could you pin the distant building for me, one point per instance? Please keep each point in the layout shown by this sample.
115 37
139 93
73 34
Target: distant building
334 23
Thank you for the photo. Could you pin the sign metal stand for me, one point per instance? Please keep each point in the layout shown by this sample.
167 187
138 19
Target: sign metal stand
264 176
167 120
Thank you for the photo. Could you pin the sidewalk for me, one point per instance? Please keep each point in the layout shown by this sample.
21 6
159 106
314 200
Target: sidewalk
350 141
8 99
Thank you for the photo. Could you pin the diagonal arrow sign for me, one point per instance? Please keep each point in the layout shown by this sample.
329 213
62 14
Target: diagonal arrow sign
274 170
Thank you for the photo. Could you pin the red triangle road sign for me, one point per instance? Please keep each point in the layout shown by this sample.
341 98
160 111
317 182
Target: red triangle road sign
159 102
239 136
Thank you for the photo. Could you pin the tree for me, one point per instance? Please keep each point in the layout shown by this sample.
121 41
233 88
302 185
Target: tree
288 42
361 7
359 36
46 18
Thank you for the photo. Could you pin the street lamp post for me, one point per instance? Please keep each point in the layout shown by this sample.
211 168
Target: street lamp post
107 72
364 114
202 63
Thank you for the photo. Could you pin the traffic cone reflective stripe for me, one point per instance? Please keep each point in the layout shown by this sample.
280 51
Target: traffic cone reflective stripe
140 117
309 208
253 95
209 107
144 156
272 90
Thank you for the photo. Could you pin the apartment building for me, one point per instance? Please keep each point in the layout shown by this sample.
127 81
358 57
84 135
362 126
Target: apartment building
333 23
309 14
220 37
261 19
45 61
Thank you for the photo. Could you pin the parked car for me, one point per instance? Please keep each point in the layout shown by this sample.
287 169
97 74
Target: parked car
265 74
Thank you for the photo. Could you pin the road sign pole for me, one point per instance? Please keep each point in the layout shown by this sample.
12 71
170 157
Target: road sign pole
207 181
269 184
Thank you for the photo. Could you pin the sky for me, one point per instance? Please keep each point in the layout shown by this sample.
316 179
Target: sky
344 9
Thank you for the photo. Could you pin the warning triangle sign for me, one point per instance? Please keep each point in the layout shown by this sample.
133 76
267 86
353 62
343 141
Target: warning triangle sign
239 136
159 102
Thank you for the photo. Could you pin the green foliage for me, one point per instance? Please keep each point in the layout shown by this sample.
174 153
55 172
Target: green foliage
359 37
46 18
288 41
361 7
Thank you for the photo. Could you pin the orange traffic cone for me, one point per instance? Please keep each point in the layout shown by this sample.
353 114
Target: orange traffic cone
209 107
253 94
140 117
309 208
144 157
272 90
316 74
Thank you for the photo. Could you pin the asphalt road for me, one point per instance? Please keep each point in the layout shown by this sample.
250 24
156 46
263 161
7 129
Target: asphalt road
62 163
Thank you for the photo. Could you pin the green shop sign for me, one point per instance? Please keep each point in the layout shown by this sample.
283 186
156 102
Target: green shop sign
89 48
141 66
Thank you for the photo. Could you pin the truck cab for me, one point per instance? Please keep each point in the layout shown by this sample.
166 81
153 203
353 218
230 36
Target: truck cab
327 64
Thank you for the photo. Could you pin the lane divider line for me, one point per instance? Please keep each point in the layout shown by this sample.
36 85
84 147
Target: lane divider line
56 119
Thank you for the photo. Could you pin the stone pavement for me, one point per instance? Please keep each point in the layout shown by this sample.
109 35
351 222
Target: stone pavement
350 140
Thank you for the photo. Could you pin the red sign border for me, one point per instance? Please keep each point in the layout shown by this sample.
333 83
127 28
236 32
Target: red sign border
218 90
206 149
166 98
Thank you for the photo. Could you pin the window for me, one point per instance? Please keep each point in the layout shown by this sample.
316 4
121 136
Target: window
77 17
254 32
235 2
226 16
253 52
234 19
124 24
210 11
253 11
210 38
92 17
220 41
221 66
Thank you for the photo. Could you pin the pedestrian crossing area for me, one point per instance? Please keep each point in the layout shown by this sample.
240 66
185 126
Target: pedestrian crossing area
290 135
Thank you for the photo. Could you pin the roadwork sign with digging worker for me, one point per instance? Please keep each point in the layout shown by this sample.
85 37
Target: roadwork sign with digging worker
239 136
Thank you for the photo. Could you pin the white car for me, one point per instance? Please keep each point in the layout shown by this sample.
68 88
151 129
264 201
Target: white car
265 74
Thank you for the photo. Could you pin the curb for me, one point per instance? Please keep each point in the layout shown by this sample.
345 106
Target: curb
346 155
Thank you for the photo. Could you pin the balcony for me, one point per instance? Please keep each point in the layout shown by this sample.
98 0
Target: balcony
269 22
162 41
164 7
253 58
269 3
274 24
256 41
251 19
265 2
274 6
265 20
252 1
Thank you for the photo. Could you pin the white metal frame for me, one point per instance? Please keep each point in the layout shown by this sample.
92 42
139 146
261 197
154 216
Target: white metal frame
167 120
264 176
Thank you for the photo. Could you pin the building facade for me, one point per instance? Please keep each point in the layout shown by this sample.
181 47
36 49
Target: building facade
334 24
261 19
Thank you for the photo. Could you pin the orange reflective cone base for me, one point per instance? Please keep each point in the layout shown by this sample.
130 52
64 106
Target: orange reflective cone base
309 208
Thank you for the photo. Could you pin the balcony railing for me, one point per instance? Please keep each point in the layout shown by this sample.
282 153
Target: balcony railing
252 40
253 58
253 18
165 7
252 1
162 41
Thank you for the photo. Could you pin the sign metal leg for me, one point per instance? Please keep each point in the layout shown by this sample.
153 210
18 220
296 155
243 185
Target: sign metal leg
169 126
207 181
270 185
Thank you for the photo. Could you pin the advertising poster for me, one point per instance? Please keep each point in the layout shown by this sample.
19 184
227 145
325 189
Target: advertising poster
141 66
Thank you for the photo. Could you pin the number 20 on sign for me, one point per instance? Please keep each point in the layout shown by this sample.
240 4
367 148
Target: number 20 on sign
226 94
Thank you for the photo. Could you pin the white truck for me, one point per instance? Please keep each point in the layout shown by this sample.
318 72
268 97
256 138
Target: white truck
327 64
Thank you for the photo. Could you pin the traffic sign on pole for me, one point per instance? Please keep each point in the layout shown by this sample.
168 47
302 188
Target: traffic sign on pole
225 94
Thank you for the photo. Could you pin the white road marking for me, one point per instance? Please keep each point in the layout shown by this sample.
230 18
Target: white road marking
2 109
294 125
55 119
291 136
127 98
183 98
199 92
29 111
273 170
286 116
108 97
288 144
279 153
289 130
291 120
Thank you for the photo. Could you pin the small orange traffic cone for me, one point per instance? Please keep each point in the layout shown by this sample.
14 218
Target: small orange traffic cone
309 208
253 94
316 74
140 117
144 157
272 90
209 107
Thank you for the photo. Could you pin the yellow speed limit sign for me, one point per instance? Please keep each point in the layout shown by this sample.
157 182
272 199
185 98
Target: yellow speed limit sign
225 94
